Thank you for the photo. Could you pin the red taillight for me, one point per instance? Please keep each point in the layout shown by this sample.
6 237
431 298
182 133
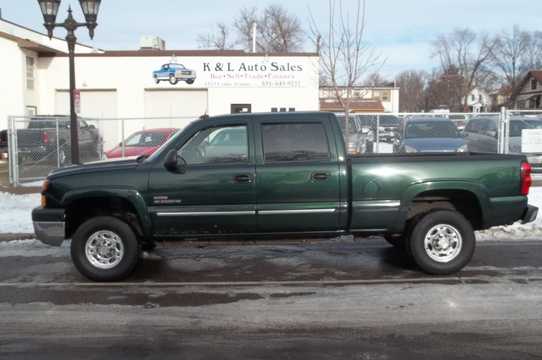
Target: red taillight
526 179
45 137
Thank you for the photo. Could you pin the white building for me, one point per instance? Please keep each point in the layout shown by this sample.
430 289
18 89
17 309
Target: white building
478 101
364 99
121 84
21 50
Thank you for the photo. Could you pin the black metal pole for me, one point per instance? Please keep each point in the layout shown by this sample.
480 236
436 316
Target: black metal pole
74 123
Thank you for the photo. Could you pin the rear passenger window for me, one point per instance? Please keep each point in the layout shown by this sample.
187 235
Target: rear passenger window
295 142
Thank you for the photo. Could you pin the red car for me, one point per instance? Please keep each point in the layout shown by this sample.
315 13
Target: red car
143 142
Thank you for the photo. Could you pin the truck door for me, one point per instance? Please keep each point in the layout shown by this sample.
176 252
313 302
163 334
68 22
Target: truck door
298 177
216 194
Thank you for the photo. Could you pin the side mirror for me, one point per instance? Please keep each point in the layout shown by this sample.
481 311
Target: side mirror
175 163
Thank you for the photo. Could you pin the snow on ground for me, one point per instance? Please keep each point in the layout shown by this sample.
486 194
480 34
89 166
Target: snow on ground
32 184
15 212
518 231
15 218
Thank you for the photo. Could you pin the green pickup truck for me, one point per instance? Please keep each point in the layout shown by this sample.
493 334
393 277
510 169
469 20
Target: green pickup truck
279 175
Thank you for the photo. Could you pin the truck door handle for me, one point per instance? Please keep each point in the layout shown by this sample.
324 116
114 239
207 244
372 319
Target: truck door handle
320 176
243 178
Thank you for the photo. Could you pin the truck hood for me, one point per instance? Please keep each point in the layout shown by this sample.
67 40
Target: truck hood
435 144
93 167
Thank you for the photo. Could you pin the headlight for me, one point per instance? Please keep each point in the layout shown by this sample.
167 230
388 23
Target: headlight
410 149
463 148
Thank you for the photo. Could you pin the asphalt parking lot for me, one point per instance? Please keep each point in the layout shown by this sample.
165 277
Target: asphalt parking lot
313 300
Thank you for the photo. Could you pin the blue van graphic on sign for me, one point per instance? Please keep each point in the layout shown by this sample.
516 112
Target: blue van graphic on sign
174 73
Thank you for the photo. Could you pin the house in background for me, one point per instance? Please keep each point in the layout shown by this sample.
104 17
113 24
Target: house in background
500 98
478 101
365 99
528 96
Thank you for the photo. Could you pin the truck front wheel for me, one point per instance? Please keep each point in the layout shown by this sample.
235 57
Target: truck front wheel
442 242
105 249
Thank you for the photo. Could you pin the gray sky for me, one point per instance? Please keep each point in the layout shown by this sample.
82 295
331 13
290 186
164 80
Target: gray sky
400 29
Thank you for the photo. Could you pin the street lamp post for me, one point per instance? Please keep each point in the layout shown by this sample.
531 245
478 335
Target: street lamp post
49 10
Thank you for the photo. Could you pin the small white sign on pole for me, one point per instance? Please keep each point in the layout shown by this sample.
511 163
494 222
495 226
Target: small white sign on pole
531 141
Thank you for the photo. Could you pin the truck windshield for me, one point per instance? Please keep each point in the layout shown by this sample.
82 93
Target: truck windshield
431 129
172 139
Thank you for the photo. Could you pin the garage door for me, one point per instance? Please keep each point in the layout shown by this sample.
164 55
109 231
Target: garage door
95 104
179 106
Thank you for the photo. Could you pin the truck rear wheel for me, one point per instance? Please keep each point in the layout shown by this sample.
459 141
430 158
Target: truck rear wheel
105 249
442 242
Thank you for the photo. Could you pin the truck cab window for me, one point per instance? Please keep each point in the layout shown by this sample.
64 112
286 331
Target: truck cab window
218 145
295 142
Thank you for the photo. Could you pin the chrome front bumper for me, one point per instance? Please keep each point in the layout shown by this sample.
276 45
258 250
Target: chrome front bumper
49 226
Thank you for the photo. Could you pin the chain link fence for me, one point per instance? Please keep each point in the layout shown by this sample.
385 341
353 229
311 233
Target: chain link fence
39 144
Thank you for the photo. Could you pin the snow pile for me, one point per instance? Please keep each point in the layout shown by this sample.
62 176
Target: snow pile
518 231
15 213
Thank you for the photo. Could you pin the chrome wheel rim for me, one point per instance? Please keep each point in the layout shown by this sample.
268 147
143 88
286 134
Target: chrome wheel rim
443 243
104 249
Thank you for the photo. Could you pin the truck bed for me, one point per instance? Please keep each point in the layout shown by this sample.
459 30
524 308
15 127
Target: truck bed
382 184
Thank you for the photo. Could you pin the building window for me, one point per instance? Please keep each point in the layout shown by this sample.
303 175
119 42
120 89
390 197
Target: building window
386 95
30 73
291 109
473 97
274 109
241 108
283 109
534 84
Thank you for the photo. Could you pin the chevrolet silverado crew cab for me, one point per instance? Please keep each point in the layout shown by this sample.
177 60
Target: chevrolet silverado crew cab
279 175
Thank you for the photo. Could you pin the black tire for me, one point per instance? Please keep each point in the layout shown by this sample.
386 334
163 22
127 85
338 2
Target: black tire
452 219
172 79
190 82
129 260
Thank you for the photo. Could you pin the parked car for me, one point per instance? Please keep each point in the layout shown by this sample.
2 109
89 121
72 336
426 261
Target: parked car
174 73
481 133
388 126
431 135
40 141
3 144
141 143
459 120
285 174
357 137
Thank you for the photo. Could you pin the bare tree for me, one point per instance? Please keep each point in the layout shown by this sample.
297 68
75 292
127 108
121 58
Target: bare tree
220 40
277 29
248 16
280 30
345 57
508 55
444 90
468 53
412 85
532 58
376 79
